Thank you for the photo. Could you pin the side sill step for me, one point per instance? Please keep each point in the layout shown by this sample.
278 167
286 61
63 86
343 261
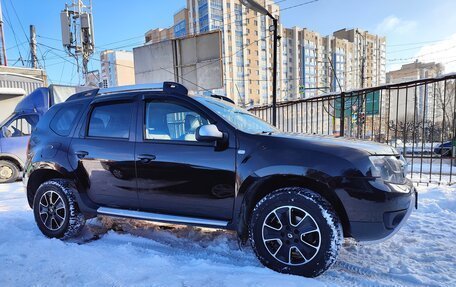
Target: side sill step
161 217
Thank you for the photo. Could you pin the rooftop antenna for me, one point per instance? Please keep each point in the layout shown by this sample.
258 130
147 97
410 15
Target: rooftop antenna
77 32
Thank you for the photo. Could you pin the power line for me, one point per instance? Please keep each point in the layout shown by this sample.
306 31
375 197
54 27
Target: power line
8 21
16 46
227 23
20 22
415 43
298 5
419 56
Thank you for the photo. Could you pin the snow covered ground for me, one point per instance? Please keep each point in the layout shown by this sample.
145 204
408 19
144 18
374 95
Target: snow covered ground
423 253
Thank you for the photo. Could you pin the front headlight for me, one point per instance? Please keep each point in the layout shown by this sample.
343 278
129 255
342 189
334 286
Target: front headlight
389 168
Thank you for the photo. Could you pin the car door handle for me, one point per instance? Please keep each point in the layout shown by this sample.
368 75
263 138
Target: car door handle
81 154
146 158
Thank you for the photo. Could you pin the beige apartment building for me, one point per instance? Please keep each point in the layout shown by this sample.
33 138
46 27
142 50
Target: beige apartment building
413 102
308 64
247 46
158 35
313 64
415 71
117 68
369 58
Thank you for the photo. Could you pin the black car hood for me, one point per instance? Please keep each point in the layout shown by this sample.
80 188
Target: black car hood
328 141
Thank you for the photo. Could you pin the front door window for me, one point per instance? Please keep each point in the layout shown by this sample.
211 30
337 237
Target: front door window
168 121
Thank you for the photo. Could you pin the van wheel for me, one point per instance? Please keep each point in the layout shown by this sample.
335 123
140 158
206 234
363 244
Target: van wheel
56 211
9 172
296 231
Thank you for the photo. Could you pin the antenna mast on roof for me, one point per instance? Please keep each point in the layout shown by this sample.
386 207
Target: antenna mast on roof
77 31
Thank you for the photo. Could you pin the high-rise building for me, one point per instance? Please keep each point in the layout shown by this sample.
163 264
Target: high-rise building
315 64
369 56
158 35
247 46
308 64
181 25
117 68
415 71
415 102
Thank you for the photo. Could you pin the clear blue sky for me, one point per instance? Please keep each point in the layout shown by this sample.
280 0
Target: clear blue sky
405 23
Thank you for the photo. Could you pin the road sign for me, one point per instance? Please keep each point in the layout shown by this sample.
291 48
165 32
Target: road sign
368 103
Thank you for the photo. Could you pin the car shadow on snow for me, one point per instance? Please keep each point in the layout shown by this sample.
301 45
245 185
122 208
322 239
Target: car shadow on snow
221 246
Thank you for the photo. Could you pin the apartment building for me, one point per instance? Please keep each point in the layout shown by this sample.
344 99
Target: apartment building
247 46
117 68
181 25
309 64
369 57
416 102
158 35
313 64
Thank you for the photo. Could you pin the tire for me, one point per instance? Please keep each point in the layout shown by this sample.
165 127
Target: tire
9 172
307 244
56 211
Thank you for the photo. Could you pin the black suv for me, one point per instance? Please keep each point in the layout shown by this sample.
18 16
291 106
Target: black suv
153 152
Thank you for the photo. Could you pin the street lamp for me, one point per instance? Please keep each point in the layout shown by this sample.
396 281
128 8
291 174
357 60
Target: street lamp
255 6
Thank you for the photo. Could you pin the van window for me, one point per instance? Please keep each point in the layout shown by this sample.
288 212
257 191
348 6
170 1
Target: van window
65 119
111 121
22 125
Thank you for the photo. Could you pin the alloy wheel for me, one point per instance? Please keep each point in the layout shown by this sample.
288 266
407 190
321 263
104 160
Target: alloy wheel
291 235
52 210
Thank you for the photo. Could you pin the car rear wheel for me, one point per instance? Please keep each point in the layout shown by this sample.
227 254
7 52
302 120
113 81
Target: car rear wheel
56 211
9 172
296 231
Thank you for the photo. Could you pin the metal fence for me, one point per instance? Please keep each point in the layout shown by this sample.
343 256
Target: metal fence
417 117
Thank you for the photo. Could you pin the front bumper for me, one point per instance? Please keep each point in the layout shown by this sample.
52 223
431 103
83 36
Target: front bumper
376 215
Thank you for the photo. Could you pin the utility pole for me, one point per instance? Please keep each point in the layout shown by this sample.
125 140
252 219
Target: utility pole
33 47
274 72
3 58
363 59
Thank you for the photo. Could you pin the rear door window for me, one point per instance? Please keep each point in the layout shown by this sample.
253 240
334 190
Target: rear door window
65 119
111 121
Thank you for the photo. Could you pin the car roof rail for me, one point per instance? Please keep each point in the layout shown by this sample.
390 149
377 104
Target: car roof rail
224 98
169 87
82 95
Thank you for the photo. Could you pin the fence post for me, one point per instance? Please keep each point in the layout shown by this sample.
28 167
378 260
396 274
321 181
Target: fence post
342 114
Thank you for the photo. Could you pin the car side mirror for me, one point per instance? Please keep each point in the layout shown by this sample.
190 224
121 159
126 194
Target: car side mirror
6 132
208 133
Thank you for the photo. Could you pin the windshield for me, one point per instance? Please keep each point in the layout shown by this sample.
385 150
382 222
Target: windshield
237 117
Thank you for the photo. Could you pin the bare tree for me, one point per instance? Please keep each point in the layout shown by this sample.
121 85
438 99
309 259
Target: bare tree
445 98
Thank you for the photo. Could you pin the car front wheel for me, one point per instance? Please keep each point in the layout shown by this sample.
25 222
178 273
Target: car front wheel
296 231
56 211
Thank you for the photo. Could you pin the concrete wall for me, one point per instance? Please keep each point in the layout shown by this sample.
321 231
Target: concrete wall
192 61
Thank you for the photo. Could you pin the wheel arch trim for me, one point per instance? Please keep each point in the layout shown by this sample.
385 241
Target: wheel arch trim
11 157
275 177
39 173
